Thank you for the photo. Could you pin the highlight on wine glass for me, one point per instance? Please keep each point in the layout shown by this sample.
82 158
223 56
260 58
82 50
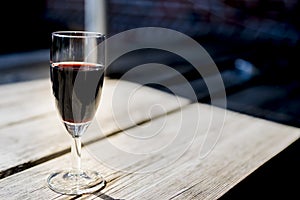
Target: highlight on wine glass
77 72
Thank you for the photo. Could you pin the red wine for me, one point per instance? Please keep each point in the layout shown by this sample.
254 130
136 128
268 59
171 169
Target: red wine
77 89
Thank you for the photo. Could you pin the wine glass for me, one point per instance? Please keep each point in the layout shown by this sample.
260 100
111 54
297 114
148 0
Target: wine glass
77 61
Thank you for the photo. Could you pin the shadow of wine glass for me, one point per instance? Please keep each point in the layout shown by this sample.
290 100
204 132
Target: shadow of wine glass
105 196
98 195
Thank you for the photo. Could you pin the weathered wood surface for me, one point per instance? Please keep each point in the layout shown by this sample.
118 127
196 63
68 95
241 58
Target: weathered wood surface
31 131
162 159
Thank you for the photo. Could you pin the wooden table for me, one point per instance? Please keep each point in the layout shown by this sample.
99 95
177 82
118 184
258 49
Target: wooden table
147 144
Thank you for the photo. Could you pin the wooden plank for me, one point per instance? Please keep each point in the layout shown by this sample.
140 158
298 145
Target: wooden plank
29 122
26 100
172 172
195 89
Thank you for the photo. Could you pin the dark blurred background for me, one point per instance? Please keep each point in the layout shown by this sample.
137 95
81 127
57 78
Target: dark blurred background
254 43
27 25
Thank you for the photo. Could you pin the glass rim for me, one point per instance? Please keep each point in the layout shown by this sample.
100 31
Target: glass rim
78 34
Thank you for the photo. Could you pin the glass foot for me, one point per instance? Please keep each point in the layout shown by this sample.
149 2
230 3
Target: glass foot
69 182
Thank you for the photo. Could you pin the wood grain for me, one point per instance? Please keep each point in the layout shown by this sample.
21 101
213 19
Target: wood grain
30 123
142 169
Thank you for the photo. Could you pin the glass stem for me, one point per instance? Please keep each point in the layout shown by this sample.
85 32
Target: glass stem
76 154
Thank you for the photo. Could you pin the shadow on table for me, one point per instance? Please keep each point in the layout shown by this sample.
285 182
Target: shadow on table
105 196
277 179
